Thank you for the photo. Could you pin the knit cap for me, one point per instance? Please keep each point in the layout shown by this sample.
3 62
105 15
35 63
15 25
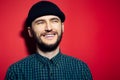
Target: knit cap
43 8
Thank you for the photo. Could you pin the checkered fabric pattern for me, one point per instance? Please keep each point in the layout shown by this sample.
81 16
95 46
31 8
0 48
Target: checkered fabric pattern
60 67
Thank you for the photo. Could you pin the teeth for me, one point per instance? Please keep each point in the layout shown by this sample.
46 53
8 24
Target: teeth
49 35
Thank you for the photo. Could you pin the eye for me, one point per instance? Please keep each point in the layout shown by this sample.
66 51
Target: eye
55 20
40 22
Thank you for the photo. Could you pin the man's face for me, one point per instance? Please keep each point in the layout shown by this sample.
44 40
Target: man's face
47 30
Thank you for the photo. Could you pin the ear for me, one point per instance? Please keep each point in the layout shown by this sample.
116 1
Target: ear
62 27
30 32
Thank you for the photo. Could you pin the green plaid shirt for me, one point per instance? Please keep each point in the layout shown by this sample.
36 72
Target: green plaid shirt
37 67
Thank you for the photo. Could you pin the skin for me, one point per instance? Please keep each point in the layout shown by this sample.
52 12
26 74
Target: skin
46 29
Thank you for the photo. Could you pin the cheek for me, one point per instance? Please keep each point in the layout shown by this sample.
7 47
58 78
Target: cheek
37 32
37 28
60 30
57 27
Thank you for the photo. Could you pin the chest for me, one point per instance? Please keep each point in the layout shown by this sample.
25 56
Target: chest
53 72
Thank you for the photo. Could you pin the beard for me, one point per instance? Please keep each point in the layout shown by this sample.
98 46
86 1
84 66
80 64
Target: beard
48 47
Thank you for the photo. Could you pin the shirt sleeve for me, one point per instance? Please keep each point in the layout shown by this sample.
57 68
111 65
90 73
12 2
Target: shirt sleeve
86 73
10 75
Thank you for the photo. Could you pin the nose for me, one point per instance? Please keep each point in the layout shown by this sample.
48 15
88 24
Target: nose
48 27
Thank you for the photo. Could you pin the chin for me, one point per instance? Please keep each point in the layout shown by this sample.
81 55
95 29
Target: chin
49 42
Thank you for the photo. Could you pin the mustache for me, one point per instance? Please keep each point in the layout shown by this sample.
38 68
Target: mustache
49 33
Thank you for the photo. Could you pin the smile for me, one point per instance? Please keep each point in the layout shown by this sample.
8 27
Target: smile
49 36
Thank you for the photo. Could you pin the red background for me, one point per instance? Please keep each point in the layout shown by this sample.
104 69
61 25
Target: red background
91 34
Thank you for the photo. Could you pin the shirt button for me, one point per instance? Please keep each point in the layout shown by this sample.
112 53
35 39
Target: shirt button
51 74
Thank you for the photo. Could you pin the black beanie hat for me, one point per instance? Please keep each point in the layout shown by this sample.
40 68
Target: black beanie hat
43 8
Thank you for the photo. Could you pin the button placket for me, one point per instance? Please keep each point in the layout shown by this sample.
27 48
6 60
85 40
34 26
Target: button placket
50 71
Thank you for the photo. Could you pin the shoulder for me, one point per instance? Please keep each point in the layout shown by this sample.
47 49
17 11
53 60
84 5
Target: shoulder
23 62
78 66
75 64
19 66
73 60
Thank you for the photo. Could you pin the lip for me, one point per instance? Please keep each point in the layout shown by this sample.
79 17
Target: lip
49 36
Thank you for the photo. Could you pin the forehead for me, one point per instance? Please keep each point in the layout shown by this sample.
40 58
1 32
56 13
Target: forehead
47 17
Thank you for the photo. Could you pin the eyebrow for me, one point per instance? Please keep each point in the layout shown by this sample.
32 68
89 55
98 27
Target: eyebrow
39 20
44 20
55 19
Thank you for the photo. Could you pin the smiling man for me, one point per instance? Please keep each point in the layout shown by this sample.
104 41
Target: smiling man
45 23
47 30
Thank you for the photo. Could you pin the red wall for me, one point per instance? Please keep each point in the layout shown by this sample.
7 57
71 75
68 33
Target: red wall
92 34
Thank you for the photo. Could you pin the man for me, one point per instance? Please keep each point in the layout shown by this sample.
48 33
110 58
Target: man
45 23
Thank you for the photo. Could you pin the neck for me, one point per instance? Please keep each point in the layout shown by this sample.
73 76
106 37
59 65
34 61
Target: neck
49 55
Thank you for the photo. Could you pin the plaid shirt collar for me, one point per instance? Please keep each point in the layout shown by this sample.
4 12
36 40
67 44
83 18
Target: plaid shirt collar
45 61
